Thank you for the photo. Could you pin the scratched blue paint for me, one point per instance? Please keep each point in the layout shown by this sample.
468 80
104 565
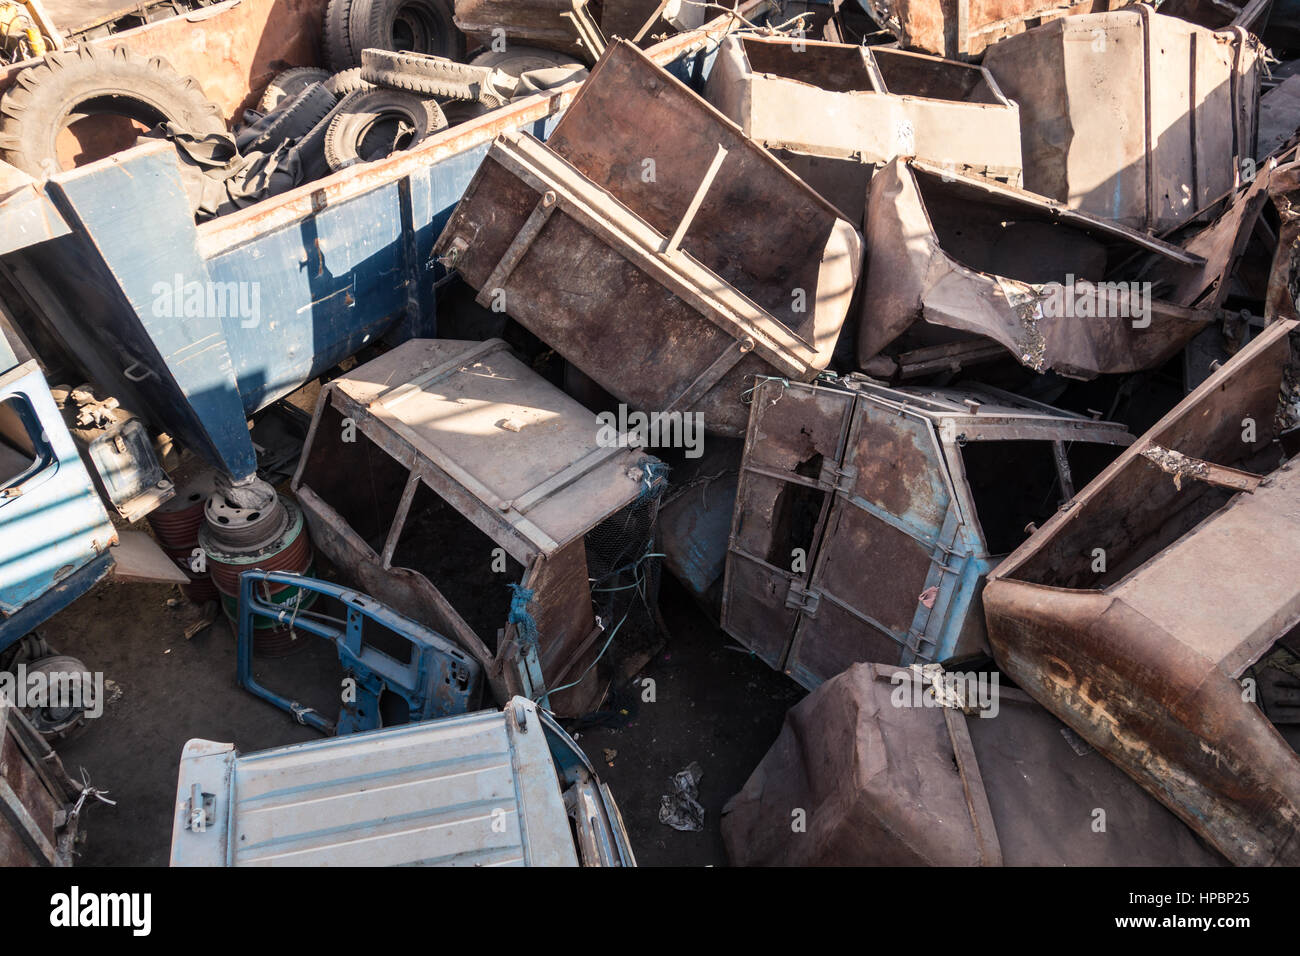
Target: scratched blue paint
52 523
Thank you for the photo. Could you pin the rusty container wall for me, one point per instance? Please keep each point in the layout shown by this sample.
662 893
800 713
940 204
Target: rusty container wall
964 28
695 520
867 517
37 822
830 111
887 776
1133 615
972 256
525 22
441 472
572 239
232 49
1132 116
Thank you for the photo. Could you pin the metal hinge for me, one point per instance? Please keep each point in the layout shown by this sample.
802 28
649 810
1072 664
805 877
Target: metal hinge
837 477
802 599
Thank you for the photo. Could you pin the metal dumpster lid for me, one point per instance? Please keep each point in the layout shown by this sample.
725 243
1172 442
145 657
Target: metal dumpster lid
474 790
492 427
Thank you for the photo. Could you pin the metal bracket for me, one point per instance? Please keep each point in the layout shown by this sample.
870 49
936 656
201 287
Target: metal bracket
803 599
200 810
837 477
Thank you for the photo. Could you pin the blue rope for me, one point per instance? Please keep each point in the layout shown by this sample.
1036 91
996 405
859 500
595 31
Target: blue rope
524 624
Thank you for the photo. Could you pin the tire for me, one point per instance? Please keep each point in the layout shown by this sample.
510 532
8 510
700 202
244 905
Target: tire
518 60
458 111
57 724
348 81
417 26
336 40
289 84
295 119
94 81
360 113
429 76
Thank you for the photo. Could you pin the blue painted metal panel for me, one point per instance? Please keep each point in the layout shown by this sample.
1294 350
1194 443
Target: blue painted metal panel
136 259
52 523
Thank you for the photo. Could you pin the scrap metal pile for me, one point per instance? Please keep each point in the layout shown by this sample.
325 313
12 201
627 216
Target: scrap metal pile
948 361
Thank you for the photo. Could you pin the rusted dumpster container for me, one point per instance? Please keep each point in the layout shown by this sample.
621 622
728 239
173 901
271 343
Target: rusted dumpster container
1135 615
964 28
867 517
1132 116
898 767
1058 289
39 808
619 244
478 475
831 111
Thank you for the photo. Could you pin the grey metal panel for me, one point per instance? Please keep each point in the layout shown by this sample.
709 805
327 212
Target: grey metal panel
475 790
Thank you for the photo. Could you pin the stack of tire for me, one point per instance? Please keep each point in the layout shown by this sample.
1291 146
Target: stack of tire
176 526
236 539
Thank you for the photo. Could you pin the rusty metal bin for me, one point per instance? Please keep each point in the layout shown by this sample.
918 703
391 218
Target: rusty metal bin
895 767
1136 616
867 517
953 256
39 807
831 111
444 471
1132 116
657 248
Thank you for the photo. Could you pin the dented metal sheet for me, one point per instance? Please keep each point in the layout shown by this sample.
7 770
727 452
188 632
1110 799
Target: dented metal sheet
832 110
1134 615
457 436
1132 116
887 775
618 243
1059 289
867 517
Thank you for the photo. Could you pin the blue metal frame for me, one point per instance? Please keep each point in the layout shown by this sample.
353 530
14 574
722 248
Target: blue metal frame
438 680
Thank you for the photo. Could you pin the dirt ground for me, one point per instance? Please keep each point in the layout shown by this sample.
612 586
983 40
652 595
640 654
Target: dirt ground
713 704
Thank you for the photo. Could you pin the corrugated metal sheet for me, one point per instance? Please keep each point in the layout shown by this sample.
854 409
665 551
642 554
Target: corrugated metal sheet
476 790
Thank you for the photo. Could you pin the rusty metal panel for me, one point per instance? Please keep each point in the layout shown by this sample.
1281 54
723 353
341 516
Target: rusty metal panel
527 22
612 218
38 822
888 775
964 28
1140 652
502 448
1132 116
1059 289
853 106
858 533
223 47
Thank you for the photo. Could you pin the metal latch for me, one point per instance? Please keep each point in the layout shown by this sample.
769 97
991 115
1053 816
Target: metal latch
837 477
804 600
200 810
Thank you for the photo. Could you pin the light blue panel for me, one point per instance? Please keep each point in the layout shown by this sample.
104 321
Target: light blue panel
52 522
